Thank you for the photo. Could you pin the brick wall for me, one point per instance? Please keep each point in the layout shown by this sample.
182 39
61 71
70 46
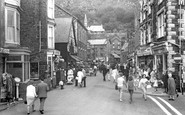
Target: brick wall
33 12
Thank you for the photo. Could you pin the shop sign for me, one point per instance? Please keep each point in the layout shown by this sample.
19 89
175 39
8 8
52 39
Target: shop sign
56 52
145 52
5 51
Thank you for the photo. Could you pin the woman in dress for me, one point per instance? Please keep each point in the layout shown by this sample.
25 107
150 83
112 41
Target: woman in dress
171 86
143 85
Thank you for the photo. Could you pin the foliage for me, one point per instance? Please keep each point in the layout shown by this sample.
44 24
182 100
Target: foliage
113 14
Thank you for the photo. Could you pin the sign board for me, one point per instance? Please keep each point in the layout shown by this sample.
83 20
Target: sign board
6 51
177 58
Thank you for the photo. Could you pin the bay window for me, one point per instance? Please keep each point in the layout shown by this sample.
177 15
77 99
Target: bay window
12 26
51 36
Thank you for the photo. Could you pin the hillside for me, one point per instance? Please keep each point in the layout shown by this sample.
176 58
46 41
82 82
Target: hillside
115 15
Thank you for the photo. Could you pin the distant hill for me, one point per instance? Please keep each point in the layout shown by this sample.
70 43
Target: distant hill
115 15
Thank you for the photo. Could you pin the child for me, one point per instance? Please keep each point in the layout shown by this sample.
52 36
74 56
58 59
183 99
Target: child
130 87
155 85
61 84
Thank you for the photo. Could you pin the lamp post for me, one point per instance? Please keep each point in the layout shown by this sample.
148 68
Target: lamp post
181 2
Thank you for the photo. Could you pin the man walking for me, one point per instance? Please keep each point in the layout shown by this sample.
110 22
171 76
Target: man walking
42 94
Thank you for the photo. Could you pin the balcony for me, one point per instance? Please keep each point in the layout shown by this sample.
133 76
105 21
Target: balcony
13 2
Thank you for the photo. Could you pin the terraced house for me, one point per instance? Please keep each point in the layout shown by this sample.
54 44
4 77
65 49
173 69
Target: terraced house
162 36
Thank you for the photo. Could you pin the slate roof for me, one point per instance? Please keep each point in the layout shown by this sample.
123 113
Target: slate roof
62 30
98 41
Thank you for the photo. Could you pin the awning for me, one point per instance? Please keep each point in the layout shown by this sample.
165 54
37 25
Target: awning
76 58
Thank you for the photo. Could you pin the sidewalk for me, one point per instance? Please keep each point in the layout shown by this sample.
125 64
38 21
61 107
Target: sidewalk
4 105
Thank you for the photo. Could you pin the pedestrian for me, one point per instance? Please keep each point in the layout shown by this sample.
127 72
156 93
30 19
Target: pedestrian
143 85
171 86
61 84
84 77
104 69
114 74
130 85
120 82
42 94
80 76
155 85
30 96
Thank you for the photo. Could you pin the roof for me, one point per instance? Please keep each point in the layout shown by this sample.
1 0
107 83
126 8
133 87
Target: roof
98 41
96 28
62 31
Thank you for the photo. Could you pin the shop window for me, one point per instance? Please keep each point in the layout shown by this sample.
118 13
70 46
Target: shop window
14 58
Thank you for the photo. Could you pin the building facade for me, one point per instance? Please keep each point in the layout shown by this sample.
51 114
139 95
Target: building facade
14 56
162 35
37 33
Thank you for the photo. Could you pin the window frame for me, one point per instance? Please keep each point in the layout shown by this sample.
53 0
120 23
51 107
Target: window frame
16 22
53 36
160 24
51 9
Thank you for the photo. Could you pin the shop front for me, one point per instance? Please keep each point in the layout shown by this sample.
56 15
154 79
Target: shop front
160 58
145 58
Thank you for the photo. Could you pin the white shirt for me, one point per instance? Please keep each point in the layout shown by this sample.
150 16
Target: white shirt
142 82
114 73
80 76
31 91
120 81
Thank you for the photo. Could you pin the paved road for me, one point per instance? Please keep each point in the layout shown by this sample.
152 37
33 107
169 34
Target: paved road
98 98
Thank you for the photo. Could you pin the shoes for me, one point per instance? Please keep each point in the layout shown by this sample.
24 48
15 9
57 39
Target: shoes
177 95
33 110
145 99
120 100
28 113
42 111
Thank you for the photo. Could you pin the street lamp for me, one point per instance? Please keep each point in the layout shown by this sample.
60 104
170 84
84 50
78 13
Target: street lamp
181 2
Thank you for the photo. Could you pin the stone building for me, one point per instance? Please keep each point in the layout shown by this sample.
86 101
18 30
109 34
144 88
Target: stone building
162 35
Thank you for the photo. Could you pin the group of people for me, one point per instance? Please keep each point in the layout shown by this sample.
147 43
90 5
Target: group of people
33 92
75 75
139 79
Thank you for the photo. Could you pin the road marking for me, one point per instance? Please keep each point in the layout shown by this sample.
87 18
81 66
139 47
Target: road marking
170 106
161 106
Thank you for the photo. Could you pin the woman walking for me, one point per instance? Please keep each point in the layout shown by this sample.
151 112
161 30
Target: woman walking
143 85
130 87
30 97
171 87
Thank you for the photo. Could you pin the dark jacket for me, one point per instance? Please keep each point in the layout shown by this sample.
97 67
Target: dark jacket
42 89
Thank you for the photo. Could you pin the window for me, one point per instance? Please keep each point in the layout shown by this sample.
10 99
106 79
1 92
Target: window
51 9
149 33
12 26
51 36
144 37
160 27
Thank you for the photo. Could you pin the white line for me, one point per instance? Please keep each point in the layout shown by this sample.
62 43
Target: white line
170 106
161 106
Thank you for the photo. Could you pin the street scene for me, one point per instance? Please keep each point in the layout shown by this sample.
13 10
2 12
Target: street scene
100 98
92 57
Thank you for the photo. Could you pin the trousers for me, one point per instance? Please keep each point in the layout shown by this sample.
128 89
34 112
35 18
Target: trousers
42 101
